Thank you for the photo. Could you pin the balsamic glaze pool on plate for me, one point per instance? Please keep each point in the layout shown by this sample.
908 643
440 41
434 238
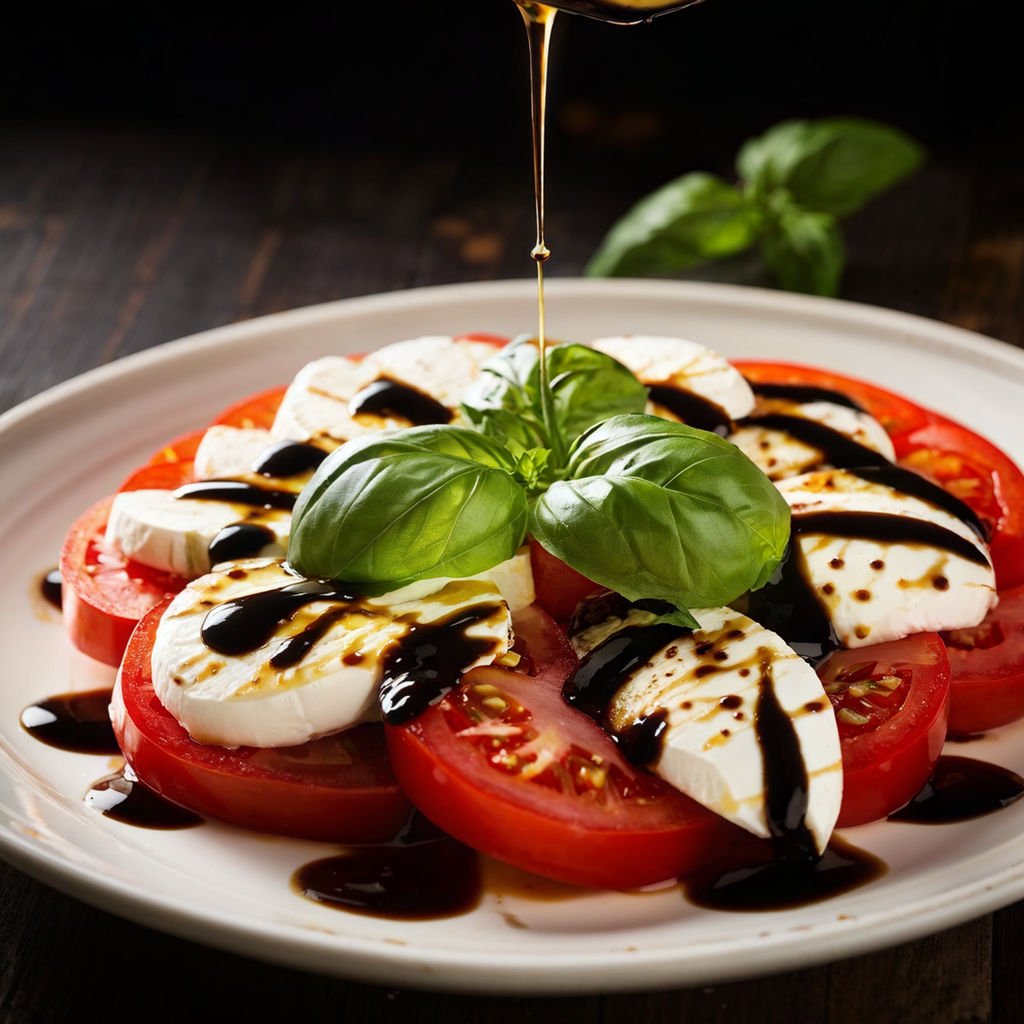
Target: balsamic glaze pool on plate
78 722
51 587
960 789
122 797
421 874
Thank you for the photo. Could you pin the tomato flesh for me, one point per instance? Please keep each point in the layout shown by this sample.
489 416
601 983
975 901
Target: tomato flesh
987 663
507 767
896 702
256 410
338 788
560 588
105 594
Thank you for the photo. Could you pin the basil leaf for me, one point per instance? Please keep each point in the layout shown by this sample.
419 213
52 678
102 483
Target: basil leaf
804 252
695 218
587 387
655 509
834 165
386 510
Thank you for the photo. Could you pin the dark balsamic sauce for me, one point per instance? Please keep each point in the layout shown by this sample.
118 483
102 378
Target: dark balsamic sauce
803 394
961 788
693 409
291 651
77 722
843 452
759 882
51 586
237 492
890 529
240 540
422 666
122 797
785 776
247 623
422 874
289 458
386 397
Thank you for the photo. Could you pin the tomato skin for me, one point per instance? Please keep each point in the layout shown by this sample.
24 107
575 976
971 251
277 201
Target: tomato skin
180 449
159 476
105 595
887 766
896 413
569 836
287 792
560 588
256 410
497 340
548 655
980 474
987 663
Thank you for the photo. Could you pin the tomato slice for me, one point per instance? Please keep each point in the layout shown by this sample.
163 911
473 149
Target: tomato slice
560 588
180 449
105 594
256 410
892 704
546 652
338 788
506 766
987 663
981 475
894 412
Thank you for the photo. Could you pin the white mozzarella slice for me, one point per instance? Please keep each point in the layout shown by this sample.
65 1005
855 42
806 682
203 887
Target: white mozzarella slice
685 365
875 591
438 365
242 700
229 453
174 534
316 404
780 455
709 686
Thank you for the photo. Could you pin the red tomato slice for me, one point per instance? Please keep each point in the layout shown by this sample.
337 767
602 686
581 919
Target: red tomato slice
560 588
981 475
894 412
892 704
497 340
506 766
159 476
105 594
987 663
546 652
257 410
180 449
338 788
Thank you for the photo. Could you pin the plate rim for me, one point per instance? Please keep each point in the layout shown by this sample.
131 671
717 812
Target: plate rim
434 969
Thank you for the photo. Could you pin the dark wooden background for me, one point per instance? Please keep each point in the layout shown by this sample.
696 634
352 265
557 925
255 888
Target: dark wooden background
163 172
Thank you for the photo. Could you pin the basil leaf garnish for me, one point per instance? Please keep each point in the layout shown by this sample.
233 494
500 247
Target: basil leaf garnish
833 165
587 387
804 251
695 218
654 509
386 510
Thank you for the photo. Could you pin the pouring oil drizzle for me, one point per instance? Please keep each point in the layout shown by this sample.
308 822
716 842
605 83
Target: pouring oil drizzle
539 20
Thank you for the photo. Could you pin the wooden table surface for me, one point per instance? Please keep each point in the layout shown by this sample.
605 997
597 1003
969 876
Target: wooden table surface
114 241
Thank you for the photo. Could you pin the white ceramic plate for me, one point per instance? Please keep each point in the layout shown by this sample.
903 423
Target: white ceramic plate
65 448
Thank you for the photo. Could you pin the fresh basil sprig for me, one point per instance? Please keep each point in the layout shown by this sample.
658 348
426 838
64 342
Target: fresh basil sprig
587 387
654 509
411 505
796 181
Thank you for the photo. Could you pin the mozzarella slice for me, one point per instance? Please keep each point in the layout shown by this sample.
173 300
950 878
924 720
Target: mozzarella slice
875 590
174 534
685 366
316 404
229 453
242 700
710 687
779 454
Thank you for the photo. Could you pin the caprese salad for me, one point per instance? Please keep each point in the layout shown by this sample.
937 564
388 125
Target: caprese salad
597 633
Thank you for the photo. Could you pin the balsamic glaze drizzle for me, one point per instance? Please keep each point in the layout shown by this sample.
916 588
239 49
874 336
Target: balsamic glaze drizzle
124 798
693 409
51 586
803 394
386 397
240 540
289 458
238 492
